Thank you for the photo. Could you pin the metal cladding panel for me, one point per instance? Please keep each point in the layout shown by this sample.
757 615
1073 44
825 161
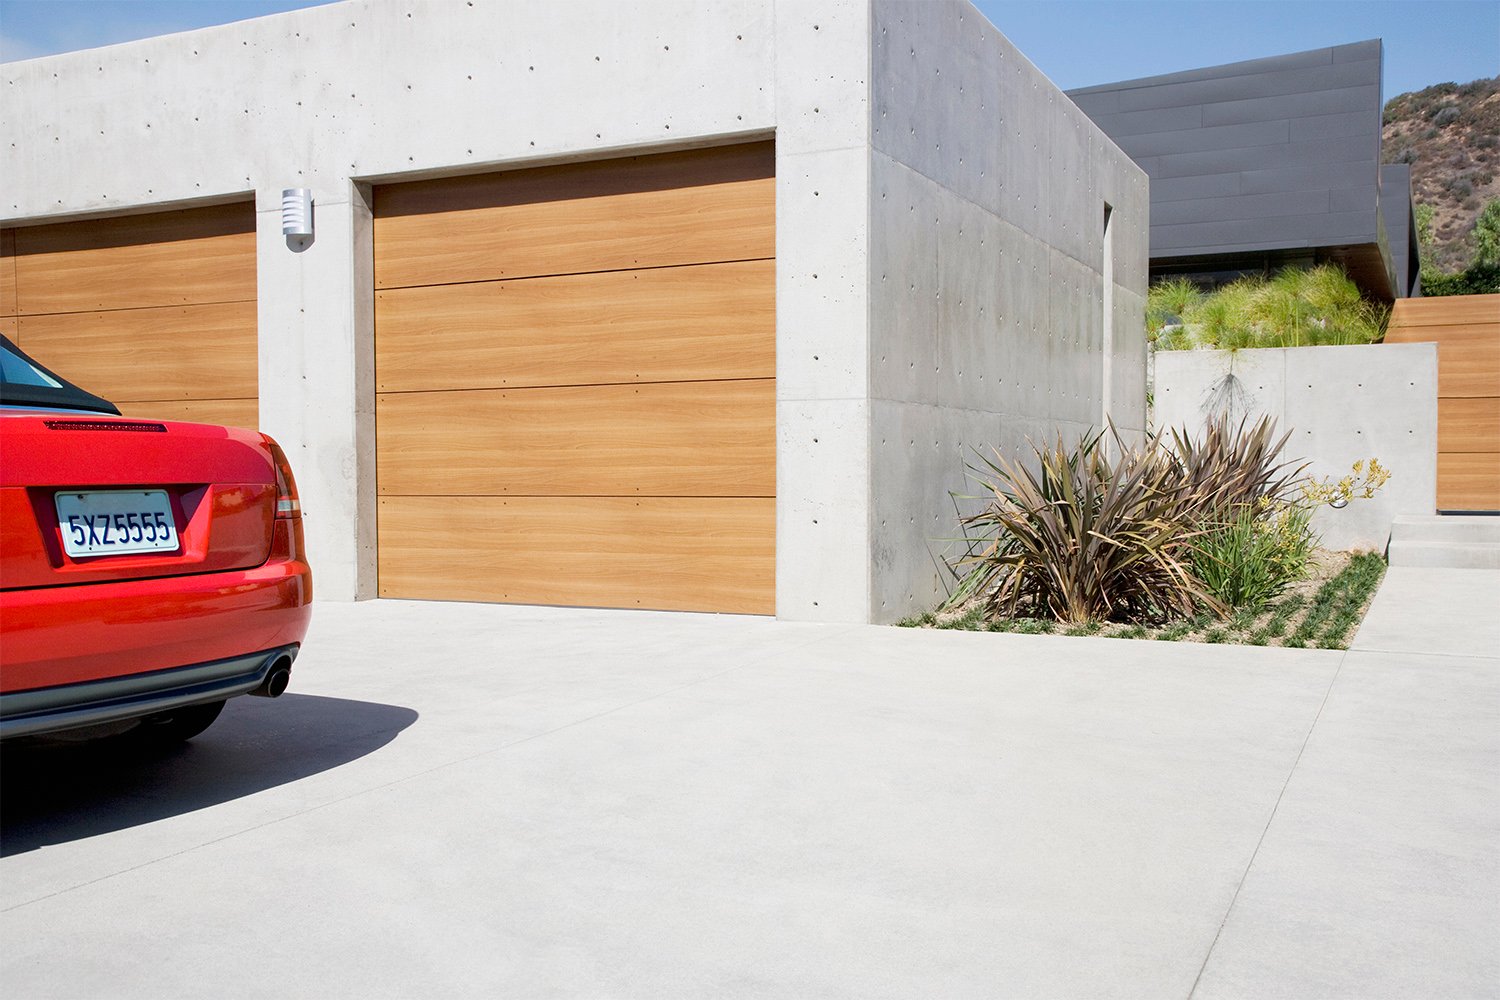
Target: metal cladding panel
1154 120
1165 190
1302 177
1248 67
1214 138
1350 152
1396 209
1223 236
1233 88
1251 207
1324 102
1351 199
1275 152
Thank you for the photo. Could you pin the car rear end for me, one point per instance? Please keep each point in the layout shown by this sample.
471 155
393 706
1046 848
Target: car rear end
144 566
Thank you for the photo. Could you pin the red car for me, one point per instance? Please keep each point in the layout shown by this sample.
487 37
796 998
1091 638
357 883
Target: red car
149 570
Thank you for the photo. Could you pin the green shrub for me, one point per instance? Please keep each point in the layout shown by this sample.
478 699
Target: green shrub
1479 279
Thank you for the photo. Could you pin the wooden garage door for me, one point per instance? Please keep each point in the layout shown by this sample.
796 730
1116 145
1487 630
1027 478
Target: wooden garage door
156 313
576 397
1466 329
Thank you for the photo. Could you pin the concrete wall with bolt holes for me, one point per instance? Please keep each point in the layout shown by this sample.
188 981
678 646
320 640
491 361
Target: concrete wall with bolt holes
1341 404
987 284
341 97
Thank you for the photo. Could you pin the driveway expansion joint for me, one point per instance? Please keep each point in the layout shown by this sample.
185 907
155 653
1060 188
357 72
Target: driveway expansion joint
1281 793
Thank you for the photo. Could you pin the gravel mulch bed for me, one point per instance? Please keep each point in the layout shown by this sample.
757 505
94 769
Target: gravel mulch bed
1322 611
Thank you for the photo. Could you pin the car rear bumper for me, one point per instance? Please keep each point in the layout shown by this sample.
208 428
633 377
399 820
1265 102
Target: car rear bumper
92 703
56 636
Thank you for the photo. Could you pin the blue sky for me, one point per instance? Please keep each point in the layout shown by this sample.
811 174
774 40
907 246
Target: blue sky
1076 43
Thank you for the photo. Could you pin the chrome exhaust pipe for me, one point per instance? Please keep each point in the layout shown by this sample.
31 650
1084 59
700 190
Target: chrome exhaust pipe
277 678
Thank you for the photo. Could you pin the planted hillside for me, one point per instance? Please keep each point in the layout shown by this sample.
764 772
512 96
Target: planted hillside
1296 307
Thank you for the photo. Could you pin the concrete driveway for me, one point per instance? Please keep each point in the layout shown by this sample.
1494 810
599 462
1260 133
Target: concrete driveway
461 800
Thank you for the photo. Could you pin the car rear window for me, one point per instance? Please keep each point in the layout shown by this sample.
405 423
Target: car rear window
24 382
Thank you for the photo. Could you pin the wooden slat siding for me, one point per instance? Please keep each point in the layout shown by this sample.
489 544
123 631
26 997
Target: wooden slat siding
678 553
1468 481
7 272
169 258
647 211
659 439
156 313
1466 329
11 327
230 412
666 324
1469 424
1468 360
1443 310
166 353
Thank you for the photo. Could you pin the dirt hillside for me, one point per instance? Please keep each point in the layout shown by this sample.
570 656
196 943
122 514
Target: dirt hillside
1450 134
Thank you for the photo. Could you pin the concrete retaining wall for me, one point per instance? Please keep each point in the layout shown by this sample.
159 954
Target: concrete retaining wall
1342 404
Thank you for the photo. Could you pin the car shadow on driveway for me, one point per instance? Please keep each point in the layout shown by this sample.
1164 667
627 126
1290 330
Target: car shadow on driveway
54 792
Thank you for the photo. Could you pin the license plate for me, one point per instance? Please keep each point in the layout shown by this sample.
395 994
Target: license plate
115 522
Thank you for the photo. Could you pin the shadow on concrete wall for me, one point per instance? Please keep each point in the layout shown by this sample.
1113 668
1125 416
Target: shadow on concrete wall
56 792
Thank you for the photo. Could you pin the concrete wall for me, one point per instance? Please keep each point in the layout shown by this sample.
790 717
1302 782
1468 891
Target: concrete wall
1342 404
996 244
986 277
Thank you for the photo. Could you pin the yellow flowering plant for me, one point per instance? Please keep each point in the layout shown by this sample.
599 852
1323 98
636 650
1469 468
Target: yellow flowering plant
1363 482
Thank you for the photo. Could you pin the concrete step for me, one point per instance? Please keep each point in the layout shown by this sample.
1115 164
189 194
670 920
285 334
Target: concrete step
1447 555
1455 528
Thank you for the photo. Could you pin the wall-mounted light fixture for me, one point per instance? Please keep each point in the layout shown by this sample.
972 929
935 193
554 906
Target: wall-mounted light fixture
296 212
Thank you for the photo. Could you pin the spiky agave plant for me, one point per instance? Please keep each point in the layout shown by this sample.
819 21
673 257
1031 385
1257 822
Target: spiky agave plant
1080 537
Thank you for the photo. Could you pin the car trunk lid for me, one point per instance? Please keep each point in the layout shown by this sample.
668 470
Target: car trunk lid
87 498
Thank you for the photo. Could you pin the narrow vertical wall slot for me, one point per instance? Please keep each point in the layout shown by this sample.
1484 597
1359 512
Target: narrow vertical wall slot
1107 324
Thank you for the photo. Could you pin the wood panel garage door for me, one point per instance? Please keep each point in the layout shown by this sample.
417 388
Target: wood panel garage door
156 313
1466 329
576 397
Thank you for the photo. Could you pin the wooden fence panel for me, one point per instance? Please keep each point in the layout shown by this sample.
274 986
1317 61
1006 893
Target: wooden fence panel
1466 329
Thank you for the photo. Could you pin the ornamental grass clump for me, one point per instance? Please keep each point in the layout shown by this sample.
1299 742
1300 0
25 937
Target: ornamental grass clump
1295 307
1252 556
1078 536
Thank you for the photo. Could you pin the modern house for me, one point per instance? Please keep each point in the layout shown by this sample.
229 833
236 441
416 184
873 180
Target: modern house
684 305
1267 163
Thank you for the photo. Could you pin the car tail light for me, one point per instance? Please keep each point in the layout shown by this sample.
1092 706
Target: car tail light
287 504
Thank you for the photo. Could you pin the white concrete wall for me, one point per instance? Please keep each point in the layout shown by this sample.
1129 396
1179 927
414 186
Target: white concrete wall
1342 404
951 226
986 274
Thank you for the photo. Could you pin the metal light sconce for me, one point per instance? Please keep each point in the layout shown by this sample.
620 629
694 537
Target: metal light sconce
296 212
